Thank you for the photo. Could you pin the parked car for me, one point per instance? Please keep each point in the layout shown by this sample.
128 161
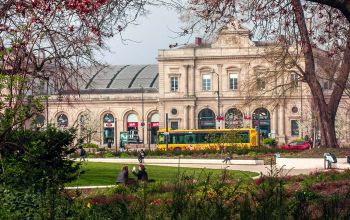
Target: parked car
297 145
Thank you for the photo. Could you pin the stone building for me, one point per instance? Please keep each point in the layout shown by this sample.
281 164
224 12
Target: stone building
199 86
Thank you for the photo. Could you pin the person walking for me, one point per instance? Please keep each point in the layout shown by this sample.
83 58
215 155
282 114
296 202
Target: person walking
228 158
82 153
141 156
109 143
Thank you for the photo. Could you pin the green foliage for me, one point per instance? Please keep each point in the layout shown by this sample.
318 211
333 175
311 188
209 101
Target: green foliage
108 154
252 154
90 145
34 170
123 155
38 159
270 141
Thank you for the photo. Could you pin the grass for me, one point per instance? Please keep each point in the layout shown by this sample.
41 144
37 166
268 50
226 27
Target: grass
99 174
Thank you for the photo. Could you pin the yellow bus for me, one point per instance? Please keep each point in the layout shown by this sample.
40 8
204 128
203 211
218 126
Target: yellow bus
206 138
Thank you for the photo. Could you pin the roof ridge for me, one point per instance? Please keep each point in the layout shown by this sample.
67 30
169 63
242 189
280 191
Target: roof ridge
136 75
154 80
115 75
93 77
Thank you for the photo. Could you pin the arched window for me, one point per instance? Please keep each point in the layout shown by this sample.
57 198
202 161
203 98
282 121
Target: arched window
206 119
233 118
40 120
153 127
108 118
62 120
108 128
261 121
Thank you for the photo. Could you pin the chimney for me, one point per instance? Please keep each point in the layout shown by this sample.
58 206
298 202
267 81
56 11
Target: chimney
198 41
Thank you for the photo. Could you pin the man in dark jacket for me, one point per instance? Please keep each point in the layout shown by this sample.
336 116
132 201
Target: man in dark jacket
141 174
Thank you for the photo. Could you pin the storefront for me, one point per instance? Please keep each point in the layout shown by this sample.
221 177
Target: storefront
133 128
108 128
153 128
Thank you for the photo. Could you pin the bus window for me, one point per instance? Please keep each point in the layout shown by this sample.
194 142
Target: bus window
190 139
161 139
243 137
201 138
181 138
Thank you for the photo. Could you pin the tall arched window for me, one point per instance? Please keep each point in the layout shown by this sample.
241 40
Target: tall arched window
153 127
206 119
108 128
233 118
261 120
133 128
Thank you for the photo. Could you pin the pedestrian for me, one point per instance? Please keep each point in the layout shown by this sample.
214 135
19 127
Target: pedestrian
109 143
82 153
227 159
141 174
141 156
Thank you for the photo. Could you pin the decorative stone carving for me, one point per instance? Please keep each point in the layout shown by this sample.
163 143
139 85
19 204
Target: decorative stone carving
233 35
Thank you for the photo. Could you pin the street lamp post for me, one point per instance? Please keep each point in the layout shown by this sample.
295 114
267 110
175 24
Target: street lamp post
47 102
143 120
218 93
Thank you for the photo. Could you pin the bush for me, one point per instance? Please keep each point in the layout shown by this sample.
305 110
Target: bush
39 159
108 154
90 145
270 141
33 173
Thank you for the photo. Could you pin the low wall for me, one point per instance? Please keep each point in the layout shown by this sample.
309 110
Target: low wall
309 163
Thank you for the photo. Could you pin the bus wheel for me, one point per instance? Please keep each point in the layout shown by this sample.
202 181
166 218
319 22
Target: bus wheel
177 150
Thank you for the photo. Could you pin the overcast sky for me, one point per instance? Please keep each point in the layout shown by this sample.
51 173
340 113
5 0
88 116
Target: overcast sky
156 31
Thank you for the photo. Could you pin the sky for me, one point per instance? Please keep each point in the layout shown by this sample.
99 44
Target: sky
156 31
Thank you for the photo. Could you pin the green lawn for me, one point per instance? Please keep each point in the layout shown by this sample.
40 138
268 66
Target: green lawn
97 174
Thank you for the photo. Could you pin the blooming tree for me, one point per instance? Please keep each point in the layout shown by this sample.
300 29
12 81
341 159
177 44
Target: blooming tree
48 42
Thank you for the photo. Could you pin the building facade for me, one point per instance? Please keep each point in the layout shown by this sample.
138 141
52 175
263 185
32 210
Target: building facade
198 86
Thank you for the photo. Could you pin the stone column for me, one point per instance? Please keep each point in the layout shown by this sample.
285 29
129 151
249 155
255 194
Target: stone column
193 78
162 112
185 117
281 124
192 117
275 120
186 77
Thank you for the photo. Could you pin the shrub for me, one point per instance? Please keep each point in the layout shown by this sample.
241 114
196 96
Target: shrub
123 155
270 141
90 145
252 155
34 172
108 154
40 159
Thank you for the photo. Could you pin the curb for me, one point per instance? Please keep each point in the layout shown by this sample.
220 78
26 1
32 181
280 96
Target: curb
89 187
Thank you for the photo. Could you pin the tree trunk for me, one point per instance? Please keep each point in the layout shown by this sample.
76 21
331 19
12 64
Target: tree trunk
325 112
326 120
